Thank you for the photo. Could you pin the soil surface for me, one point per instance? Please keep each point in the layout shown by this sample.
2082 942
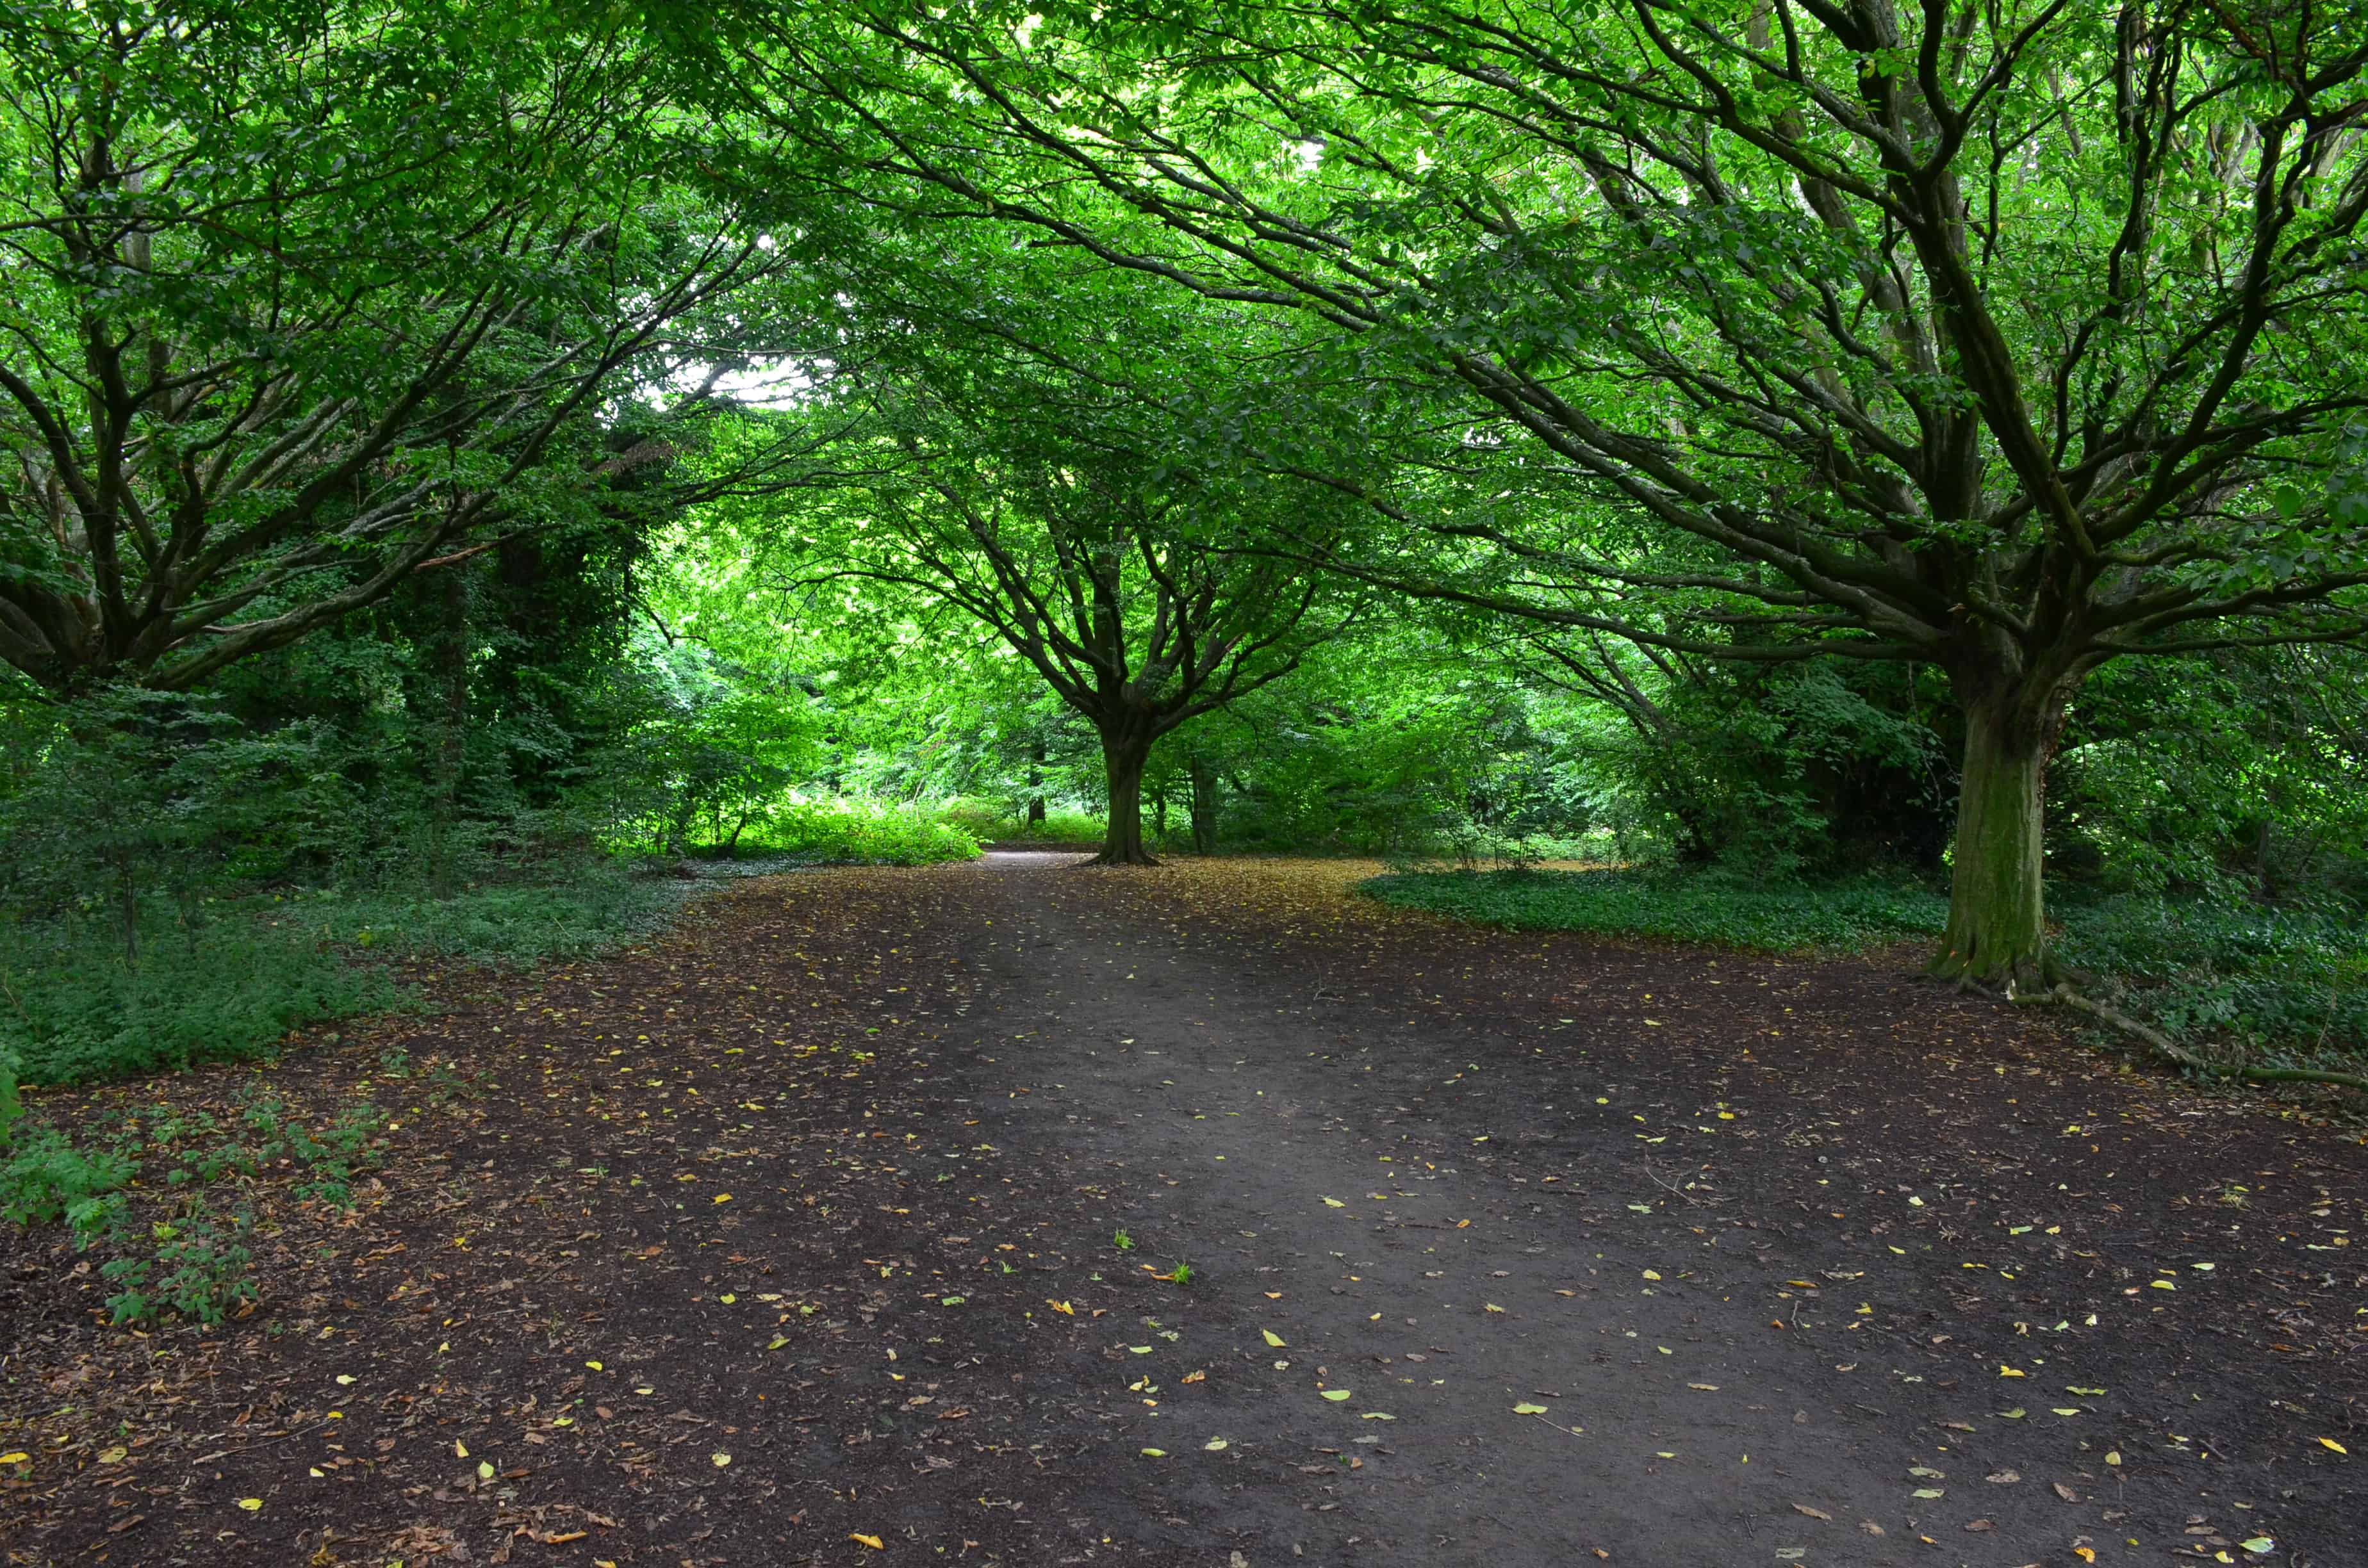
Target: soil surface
1026 1213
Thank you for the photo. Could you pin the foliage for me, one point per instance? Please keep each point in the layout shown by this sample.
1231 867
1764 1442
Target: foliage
236 425
860 832
1715 908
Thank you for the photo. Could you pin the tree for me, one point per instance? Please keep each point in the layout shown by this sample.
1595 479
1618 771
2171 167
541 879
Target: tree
2009 339
1039 450
303 300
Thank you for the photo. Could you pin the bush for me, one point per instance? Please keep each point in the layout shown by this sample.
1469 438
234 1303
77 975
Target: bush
836 829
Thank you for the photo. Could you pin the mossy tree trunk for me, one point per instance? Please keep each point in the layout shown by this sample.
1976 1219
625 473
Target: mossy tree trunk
1998 913
1126 750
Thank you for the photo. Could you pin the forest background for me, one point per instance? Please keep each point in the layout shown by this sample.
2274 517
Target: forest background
1729 474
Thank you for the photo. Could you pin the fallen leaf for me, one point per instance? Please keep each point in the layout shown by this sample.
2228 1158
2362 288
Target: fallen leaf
484 1470
1706 1387
250 1504
721 1460
15 1456
2067 1493
1870 1527
1335 1394
2259 1543
2002 1477
1273 1339
2331 1443
1528 1410
873 1542
1813 1513
1928 1492
113 1456
1213 1446
2114 1457
1062 1307
2084 1553
1334 1203
1155 1453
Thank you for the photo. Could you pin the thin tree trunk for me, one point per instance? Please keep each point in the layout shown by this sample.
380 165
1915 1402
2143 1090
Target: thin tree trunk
1204 806
1124 754
1997 927
1036 785
452 744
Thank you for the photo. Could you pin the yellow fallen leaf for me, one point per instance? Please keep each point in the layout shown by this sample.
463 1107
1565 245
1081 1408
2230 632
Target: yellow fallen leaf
460 1449
2331 1443
113 1456
250 1504
2114 1457
2084 1553
595 1366
1335 1394
1155 1453
1062 1307
721 1460
1706 1387
1526 1409
15 1456
1214 1446
1652 1274
1273 1339
873 1542
1334 1203
1490 1307
345 1380
722 1197
484 1470
727 1297
2005 1372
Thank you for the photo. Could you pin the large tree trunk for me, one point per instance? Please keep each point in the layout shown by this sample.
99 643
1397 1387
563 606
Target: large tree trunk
1998 930
1124 753
1204 807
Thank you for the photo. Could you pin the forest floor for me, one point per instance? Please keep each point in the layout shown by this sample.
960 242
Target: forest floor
795 1237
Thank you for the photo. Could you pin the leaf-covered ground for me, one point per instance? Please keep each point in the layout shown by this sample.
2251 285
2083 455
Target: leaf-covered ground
796 1237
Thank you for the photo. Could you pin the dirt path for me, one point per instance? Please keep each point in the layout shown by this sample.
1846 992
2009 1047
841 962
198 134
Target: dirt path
797 1233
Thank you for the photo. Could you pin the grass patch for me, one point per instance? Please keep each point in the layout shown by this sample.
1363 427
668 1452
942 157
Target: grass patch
2291 981
1710 908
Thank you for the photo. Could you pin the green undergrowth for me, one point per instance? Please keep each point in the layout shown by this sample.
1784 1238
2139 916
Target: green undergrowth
168 1195
992 822
230 979
2289 981
1717 909
839 831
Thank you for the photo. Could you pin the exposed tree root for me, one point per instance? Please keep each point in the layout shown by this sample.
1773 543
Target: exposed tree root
2062 994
